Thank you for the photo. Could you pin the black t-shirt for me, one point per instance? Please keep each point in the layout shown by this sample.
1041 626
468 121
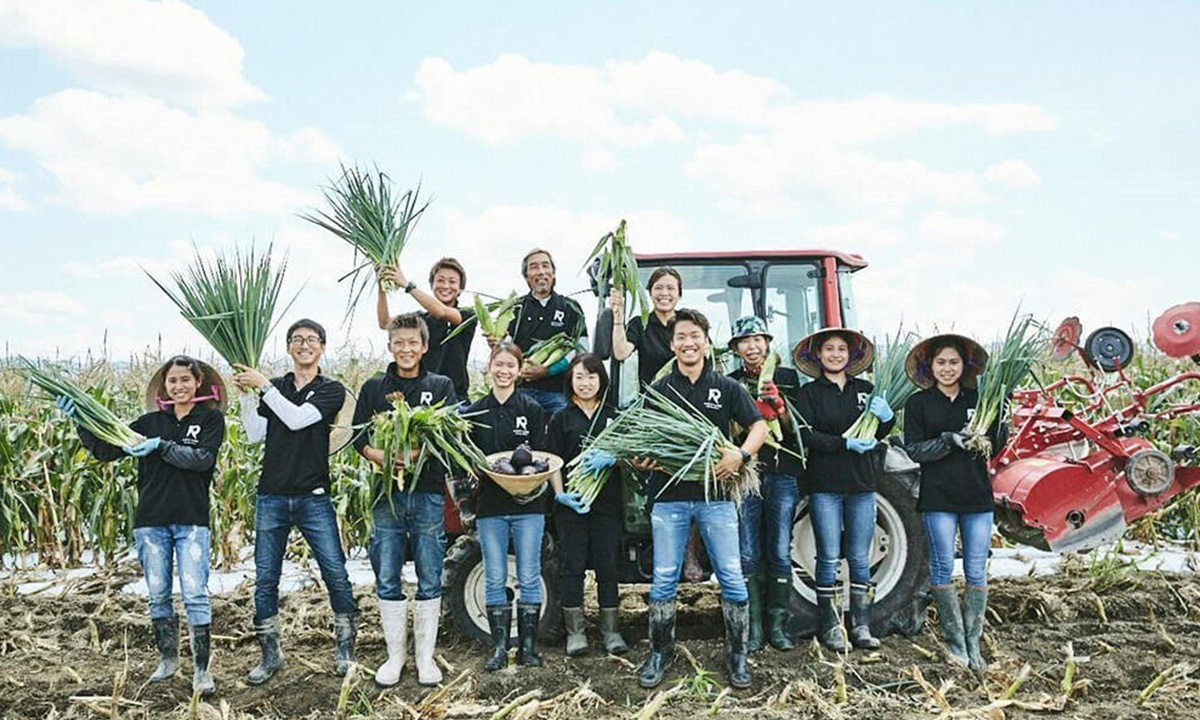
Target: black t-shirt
296 462
829 412
958 481
167 494
568 429
717 397
771 461
502 427
425 389
537 322
653 346
450 358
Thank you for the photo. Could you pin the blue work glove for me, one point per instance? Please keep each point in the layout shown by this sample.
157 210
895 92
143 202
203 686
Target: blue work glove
559 367
571 500
881 409
143 448
955 440
597 461
67 405
861 446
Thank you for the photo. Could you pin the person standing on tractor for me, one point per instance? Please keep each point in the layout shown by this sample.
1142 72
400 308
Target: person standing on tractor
587 535
412 515
505 419
956 489
694 385
765 520
174 471
842 474
293 413
650 339
447 280
542 314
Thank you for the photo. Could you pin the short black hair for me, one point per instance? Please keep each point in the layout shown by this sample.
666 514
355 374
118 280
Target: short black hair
412 321
593 364
688 315
313 325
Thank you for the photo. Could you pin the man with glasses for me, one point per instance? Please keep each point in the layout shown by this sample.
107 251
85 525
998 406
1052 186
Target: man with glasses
294 414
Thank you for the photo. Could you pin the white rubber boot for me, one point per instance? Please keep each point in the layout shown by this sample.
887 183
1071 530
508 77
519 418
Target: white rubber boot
425 628
393 616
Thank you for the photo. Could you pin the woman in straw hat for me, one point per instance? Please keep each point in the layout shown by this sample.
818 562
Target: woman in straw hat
956 489
842 473
183 430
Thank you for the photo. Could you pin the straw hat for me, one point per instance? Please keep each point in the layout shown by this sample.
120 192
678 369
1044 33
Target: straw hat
524 488
862 352
918 364
212 387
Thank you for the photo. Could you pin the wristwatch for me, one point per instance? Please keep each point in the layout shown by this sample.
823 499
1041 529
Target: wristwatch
745 455
410 286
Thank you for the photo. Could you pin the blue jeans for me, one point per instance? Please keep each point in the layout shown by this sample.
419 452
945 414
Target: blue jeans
158 548
941 529
410 517
830 513
550 401
771 514
313 515
718 522
526 532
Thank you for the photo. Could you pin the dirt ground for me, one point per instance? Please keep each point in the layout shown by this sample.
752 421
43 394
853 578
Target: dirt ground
70 657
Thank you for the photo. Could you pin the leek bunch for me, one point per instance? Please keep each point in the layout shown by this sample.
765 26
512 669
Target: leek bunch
891 382
1007 367
420 433
90 413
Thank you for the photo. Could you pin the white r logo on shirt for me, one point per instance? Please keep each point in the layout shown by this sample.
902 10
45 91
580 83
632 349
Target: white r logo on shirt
426 397
193 432
522 423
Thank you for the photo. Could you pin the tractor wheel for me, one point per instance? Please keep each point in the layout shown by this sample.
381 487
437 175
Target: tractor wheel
899 563
463 590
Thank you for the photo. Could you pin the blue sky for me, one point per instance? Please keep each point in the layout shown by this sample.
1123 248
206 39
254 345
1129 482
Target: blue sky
979 155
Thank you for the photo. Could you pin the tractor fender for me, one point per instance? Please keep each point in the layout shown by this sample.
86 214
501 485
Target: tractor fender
1072 506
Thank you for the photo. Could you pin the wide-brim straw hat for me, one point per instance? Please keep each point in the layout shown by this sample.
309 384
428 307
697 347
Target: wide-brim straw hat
862 352
524 488
212 387
919 366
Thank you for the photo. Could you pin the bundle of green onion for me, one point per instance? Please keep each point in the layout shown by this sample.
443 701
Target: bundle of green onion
551 350
686 446
420 433
231 300
90 413
618 269
1007 367
493 318
364 212
891 383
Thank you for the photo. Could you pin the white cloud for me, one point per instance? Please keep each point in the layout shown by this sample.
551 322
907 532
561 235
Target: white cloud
857 235
959 233
9 199
598 159
116 155
167 49
38 306
1013 173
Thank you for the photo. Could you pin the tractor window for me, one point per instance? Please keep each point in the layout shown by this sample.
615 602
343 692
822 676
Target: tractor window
846 290
793 305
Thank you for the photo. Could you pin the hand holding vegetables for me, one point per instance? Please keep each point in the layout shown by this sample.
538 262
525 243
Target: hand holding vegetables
881 409
955 440
143 448
571 500
248 377
861 446
598 461
729 464
65 404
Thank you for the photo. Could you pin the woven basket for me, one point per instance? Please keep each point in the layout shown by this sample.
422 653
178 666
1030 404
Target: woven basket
524 488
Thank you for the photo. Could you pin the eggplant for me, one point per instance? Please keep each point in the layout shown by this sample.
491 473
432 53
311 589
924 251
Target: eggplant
522 456
528 470
540 465
504 467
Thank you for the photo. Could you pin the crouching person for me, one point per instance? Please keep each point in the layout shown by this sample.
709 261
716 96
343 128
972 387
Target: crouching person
175 468
294 413
412 515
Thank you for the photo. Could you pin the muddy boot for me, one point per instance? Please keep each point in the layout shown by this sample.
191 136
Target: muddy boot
862 596
202 679
779 591
610 634
344 632
527 627
393 617
166 637
272 655
754 589
500 622
737 640
829 621
426 614
576 637
951 621
974 608
662 643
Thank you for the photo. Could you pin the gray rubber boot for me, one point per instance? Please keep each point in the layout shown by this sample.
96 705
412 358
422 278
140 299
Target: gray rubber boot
345 630
166 638
737 642
974 608
610 634
951 622
499 622
272 654
861 598
202 679
829 621
576 636
662 643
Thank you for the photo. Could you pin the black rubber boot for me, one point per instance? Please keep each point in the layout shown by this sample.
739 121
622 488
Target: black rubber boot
829 621
662 643
528 617
861 598
779 591
500 622
202 679
754 589
345 630
574 624
610 634
951 621
166 638
737 641
974 608
272 655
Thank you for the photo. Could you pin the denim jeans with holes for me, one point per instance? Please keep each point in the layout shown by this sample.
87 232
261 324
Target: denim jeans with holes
160 548
671 522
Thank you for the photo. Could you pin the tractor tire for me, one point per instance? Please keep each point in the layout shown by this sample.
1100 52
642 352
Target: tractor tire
463 590
899 563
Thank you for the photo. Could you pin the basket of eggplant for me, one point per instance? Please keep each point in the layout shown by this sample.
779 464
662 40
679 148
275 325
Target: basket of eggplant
524 472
